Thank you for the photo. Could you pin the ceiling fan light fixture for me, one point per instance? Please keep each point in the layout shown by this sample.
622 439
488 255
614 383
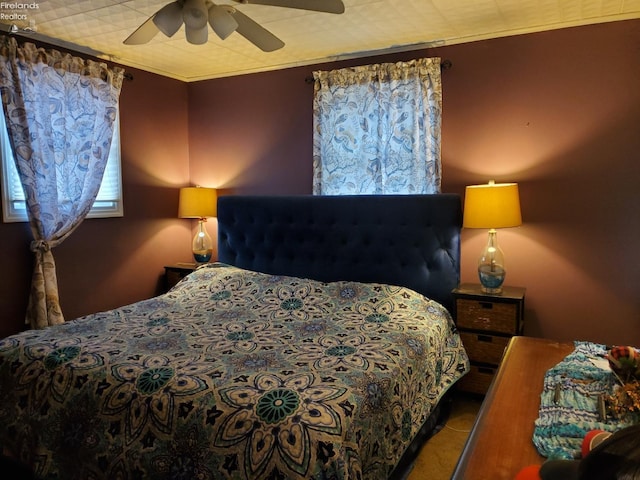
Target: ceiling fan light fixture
195 14
169 18
196 36
224 20
221 21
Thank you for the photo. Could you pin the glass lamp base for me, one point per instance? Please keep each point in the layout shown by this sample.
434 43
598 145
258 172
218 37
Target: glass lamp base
202 246
203 256
491 278
494 291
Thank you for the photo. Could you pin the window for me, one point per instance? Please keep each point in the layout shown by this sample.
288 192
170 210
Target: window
108 203
377 129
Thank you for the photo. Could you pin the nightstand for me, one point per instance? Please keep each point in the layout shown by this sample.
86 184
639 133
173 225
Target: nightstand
176 272
486 322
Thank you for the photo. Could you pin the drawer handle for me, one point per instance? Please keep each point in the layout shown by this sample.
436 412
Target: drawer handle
486 305
485 338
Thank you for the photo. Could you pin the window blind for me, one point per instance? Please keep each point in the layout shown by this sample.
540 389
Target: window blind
108 202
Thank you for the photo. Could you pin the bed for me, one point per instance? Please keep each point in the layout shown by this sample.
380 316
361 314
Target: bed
319 347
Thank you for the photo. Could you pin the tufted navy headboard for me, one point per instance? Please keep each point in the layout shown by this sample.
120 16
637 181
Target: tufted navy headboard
406 240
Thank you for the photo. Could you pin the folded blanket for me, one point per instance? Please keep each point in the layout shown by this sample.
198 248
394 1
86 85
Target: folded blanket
571 403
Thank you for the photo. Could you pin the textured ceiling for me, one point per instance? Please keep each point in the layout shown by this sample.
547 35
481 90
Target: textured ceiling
367 27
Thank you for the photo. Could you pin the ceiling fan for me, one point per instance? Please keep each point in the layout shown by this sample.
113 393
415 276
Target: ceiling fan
224 20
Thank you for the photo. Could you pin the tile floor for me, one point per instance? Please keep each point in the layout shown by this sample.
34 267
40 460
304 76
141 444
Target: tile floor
438 457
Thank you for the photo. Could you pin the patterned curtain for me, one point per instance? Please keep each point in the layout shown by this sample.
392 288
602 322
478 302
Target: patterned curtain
377 129
60 112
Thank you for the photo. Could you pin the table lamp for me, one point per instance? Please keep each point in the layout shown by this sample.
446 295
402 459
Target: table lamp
200 203
494 205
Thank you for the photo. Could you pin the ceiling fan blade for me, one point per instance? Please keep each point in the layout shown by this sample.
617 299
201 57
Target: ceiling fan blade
221 21
196 36
143 34
256 34
327 6
169 18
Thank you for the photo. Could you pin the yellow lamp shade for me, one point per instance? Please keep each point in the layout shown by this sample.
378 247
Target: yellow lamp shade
197 202
494 205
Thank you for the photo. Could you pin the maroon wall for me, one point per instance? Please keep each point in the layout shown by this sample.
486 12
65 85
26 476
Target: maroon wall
106 263
557 112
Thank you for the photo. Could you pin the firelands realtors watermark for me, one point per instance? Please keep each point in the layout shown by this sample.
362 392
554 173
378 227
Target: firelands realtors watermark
16 11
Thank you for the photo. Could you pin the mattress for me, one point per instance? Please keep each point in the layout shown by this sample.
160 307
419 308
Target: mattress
232 374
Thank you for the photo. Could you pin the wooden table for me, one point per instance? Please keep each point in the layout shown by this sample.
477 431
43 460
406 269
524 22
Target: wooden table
500 443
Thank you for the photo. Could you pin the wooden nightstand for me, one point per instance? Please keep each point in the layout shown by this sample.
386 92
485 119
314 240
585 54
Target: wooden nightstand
176 272
486 323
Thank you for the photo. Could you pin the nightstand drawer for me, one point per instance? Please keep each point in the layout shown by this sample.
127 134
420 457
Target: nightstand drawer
487 315
477 380
484 348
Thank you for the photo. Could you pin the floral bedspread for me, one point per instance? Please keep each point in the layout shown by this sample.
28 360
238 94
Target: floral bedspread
231 375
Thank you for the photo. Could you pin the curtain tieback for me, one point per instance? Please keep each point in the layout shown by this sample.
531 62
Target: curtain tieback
40 246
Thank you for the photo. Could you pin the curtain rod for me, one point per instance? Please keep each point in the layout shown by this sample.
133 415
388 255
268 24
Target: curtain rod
444 65
25 35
